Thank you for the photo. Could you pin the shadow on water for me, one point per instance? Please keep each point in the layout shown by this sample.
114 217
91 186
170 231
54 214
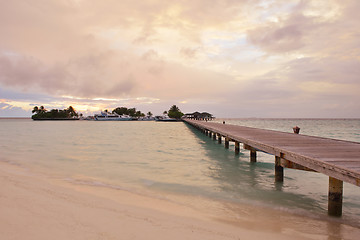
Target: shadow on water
240 180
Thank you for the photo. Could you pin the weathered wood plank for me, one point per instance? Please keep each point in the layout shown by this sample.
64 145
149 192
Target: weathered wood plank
336 158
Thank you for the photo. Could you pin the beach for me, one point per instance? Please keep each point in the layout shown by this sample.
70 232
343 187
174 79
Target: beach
38 207
35 207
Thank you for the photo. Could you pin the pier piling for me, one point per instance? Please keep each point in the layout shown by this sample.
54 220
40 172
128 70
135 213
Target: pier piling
252 152
335 197
219 138
279 170
252 156
237 147
227 142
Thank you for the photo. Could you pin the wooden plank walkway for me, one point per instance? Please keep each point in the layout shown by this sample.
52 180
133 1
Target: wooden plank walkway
338 159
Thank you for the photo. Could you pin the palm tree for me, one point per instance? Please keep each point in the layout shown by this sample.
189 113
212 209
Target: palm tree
149 114
165 112
71 111
174 108
39 112
35 110
42 109
174 112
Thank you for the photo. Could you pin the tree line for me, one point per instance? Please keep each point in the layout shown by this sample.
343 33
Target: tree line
42 113
174 112
130 112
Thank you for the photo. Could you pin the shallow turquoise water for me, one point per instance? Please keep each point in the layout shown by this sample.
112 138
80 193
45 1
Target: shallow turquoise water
175 158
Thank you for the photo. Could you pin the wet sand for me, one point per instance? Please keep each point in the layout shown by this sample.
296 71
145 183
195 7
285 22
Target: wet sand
36 206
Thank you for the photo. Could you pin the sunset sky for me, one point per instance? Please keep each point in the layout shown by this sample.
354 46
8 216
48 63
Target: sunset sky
233 58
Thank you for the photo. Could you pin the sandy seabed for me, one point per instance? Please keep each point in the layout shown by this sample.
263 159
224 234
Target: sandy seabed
36 206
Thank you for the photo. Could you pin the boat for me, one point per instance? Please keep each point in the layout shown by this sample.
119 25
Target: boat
147 118
166 118
106 116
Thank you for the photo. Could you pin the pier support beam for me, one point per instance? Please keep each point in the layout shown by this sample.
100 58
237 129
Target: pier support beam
227 142
252 152
219 138
210 134
237 147
214 136
252 156
206 132
335 197
279 170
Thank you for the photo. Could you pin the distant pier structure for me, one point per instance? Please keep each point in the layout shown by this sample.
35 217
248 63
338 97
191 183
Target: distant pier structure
199 116
338 159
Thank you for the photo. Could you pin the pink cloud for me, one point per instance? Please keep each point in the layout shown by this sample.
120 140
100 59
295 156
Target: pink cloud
180 50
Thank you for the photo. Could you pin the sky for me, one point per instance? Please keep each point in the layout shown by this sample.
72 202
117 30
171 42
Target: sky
232 58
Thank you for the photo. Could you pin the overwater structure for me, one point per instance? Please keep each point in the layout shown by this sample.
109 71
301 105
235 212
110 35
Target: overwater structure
338 159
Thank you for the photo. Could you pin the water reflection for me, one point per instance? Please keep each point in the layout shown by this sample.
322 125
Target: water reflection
239 180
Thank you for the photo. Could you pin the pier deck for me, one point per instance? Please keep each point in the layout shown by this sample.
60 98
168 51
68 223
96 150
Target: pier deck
338 159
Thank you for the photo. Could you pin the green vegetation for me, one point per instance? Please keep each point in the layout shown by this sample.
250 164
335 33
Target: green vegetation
42 113
174 112
128 111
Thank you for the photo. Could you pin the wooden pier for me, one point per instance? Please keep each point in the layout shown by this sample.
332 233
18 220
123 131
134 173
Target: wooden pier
338 159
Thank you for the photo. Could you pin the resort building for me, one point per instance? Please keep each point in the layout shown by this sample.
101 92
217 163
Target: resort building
199 116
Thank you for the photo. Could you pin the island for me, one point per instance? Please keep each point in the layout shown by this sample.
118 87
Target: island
54 114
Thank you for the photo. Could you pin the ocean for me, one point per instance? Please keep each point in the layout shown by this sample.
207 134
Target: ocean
175 161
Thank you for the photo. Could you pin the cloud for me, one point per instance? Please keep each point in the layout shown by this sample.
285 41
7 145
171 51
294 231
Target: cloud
327 69
27 72
188 52
278 39
311 27
258 53
288 34
107 75
8 110
68 49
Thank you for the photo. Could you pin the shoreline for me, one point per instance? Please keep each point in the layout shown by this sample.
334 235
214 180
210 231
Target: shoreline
42 207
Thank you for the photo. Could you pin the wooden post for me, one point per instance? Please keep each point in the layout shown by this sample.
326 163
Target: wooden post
210 134
335 197
237 147
214 136
219 139
252 156
279 170
252 152
227 142
206 132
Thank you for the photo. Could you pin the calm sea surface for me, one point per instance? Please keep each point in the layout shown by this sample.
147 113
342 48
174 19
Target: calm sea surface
174 158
